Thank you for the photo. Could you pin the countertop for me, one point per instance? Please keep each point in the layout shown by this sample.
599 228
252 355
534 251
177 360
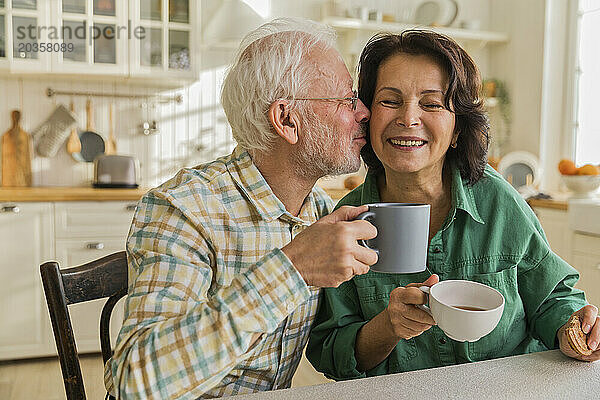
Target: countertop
544 375
555 204
92 194
69 194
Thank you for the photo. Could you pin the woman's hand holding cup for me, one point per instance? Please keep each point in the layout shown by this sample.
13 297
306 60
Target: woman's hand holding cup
406 320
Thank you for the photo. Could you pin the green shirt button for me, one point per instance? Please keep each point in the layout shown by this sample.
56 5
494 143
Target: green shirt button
437 250
442 341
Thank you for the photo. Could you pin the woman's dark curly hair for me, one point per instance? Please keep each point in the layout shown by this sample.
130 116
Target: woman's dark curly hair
462 96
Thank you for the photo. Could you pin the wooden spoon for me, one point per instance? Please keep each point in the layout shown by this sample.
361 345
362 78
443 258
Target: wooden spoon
111 143
73 144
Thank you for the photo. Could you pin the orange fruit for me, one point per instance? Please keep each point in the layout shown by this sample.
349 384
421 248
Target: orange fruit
567 167
588 169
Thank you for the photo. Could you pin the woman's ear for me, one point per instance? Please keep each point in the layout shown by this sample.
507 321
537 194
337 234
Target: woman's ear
284 121
454 141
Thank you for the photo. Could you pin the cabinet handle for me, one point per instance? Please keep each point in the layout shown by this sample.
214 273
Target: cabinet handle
95 246
130 207
12 209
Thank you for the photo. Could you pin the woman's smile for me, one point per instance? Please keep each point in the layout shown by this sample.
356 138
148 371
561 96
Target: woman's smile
407 143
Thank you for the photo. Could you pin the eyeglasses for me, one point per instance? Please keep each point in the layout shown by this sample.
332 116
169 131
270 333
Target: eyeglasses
353 99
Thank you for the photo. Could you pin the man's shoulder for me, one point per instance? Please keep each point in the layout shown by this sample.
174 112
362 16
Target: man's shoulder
196 183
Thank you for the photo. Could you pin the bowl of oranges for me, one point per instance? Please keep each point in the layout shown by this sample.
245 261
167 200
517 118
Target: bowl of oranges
583 181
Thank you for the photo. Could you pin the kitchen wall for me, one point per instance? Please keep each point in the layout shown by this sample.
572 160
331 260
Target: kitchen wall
196 130
190 133
519 63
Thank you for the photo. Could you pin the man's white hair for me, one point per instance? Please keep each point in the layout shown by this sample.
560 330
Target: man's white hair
271 64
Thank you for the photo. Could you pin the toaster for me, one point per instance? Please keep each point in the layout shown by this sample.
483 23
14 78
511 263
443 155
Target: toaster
113 171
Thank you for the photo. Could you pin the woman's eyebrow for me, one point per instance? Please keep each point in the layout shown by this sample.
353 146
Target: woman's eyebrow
427 91
393 89
396 90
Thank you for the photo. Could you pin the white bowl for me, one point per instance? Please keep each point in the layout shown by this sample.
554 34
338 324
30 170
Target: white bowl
582 186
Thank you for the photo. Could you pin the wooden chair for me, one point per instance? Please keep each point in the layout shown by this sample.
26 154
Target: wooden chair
104 277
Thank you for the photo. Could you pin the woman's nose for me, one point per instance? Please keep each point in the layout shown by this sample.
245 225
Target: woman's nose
362 113
409 115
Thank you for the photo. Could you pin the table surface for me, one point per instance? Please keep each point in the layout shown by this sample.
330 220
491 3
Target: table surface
544 375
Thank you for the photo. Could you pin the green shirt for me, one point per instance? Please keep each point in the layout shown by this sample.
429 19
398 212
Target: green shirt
490 236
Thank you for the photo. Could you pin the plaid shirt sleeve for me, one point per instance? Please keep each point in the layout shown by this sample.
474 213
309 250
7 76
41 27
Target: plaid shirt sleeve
179 340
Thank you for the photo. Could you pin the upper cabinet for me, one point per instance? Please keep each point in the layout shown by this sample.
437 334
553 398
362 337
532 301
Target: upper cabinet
140 39
3 57
23 36
93 37
168 44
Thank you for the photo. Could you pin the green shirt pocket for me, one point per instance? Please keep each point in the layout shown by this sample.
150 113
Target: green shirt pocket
512 327
373 300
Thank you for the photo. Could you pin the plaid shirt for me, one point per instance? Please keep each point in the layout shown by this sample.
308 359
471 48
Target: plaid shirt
205 274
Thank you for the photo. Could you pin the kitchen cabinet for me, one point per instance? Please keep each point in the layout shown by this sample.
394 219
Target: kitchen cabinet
27 237
579 249
555 224
142 39
168 48
24 36
72 233
586 258
86 231
3 57
93 37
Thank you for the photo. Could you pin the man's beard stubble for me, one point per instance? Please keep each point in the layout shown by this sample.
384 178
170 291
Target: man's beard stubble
320 152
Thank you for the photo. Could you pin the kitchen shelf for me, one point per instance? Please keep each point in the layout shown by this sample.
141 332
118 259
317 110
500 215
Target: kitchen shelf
353 24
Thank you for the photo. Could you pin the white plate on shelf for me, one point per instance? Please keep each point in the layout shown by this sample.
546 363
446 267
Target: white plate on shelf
517 165
436 12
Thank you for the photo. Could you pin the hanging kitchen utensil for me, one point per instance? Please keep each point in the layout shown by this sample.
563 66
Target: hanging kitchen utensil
111 144
92 144
51 134
73 143
16 155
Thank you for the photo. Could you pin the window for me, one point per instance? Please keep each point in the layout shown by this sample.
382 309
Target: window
587 128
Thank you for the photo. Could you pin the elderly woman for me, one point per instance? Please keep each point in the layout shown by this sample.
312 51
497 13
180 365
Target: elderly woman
427 143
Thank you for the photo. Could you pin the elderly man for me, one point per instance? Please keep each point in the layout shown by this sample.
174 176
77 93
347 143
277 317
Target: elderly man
226 259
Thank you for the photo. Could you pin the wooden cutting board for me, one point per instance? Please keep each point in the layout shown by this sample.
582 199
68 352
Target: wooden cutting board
16 155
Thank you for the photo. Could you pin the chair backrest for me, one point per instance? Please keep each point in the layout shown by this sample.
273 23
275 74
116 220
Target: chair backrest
104 277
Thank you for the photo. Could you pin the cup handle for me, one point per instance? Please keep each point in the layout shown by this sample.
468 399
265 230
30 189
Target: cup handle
425 289
362 242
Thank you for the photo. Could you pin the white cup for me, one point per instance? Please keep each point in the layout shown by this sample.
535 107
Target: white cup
464 325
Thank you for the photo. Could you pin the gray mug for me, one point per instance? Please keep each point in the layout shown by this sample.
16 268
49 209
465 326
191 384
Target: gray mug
402 236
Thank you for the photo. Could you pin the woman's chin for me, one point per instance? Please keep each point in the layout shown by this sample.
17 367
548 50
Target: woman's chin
403 169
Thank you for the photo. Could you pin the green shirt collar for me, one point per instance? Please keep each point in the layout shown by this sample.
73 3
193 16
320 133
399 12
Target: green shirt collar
462 195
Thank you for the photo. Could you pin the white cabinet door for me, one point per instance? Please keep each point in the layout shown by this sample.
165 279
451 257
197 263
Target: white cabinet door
85 317
165 42
556 227
588 266
94 37
26 43
4 65
93 219
586 259
27 240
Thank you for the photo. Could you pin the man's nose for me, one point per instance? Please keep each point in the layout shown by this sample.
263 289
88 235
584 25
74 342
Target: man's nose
362 113
409 115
